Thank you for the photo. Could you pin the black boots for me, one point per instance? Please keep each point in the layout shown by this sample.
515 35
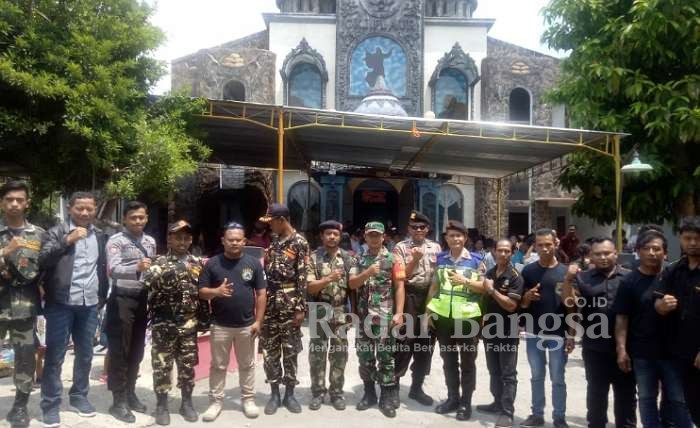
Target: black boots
18 416
120 409
369 399
162 414
395 390
449 405
274 403
289 401
186 408
385 404
464 411
133 401
417 393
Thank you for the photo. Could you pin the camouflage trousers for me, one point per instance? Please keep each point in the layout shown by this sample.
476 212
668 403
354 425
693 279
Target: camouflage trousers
22 340
376 355
337 354
280 340
173 343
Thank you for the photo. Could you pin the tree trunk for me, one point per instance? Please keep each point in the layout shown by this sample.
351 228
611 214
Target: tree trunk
687 205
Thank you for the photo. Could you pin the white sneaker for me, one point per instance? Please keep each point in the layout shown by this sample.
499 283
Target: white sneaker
250 410
212 412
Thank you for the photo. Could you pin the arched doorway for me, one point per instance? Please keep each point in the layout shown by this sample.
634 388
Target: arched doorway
221 207
375 200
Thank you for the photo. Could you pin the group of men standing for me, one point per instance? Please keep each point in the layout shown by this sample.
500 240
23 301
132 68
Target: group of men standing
402 302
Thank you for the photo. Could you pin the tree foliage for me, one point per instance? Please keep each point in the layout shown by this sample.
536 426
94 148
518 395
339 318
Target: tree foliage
633 67
74 106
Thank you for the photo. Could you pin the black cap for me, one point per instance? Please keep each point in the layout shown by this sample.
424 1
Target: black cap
418 217
275 211
455 225
330 224
178 226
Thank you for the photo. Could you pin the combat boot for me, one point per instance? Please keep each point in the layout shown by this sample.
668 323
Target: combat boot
289 401
274 403
417 393
449 405
18 415
120 409
394 397
385 405
162 414
186 408
464 411
369 399
133 401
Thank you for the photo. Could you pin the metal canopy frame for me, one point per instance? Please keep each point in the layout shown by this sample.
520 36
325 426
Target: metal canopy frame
248 134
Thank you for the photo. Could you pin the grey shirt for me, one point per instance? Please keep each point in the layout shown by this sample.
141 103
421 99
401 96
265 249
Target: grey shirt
84 282
122 258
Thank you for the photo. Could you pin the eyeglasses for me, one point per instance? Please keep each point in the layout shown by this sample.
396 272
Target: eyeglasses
419 227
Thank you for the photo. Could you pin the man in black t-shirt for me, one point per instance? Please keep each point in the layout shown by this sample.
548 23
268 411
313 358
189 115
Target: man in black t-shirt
235 284
639 336
680 304
546 330
504 288
594 292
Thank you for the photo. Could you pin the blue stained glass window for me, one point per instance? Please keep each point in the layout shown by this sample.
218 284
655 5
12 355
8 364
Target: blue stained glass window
451 95
386 56
305 86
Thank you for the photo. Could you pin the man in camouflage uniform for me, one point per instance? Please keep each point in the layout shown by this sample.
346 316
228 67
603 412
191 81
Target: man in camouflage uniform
419 255
380 307
286 272
20 243
330 269
171 282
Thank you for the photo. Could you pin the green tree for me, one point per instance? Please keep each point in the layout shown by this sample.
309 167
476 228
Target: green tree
633 67
74 106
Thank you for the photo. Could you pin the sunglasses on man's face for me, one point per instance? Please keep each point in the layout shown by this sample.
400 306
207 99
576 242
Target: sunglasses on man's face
419 227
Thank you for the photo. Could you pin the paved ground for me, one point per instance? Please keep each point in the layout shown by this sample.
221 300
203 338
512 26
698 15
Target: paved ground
411 414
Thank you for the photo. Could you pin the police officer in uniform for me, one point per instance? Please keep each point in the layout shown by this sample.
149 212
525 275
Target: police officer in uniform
330 269
173 300
454 298
418 254
380 304
129 255
680 304
20 242
286 272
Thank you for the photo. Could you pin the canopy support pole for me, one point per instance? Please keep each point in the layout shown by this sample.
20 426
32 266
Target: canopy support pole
618 191
499 206
280 156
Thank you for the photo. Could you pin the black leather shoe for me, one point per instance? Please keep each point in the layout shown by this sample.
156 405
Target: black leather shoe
120 409
464 412
316 402
493 408
369 398
417 393
162 413
504 421
274 403
448 406
289 401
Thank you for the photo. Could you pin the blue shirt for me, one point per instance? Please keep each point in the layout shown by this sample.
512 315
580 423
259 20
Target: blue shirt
84 282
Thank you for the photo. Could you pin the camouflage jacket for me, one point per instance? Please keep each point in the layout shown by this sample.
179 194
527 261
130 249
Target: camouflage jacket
19 274
376 296
286 268
336 293
173 294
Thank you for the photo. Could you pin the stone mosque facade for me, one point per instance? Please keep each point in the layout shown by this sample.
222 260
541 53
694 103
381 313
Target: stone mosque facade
430 57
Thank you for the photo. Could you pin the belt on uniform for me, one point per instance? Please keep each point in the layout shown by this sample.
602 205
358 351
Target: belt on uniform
286 287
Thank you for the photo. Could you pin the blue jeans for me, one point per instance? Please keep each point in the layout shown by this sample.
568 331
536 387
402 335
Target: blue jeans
62 322
537 350
648 374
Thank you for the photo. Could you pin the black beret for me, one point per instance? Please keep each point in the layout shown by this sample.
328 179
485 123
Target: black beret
418 217
330 224
455 225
